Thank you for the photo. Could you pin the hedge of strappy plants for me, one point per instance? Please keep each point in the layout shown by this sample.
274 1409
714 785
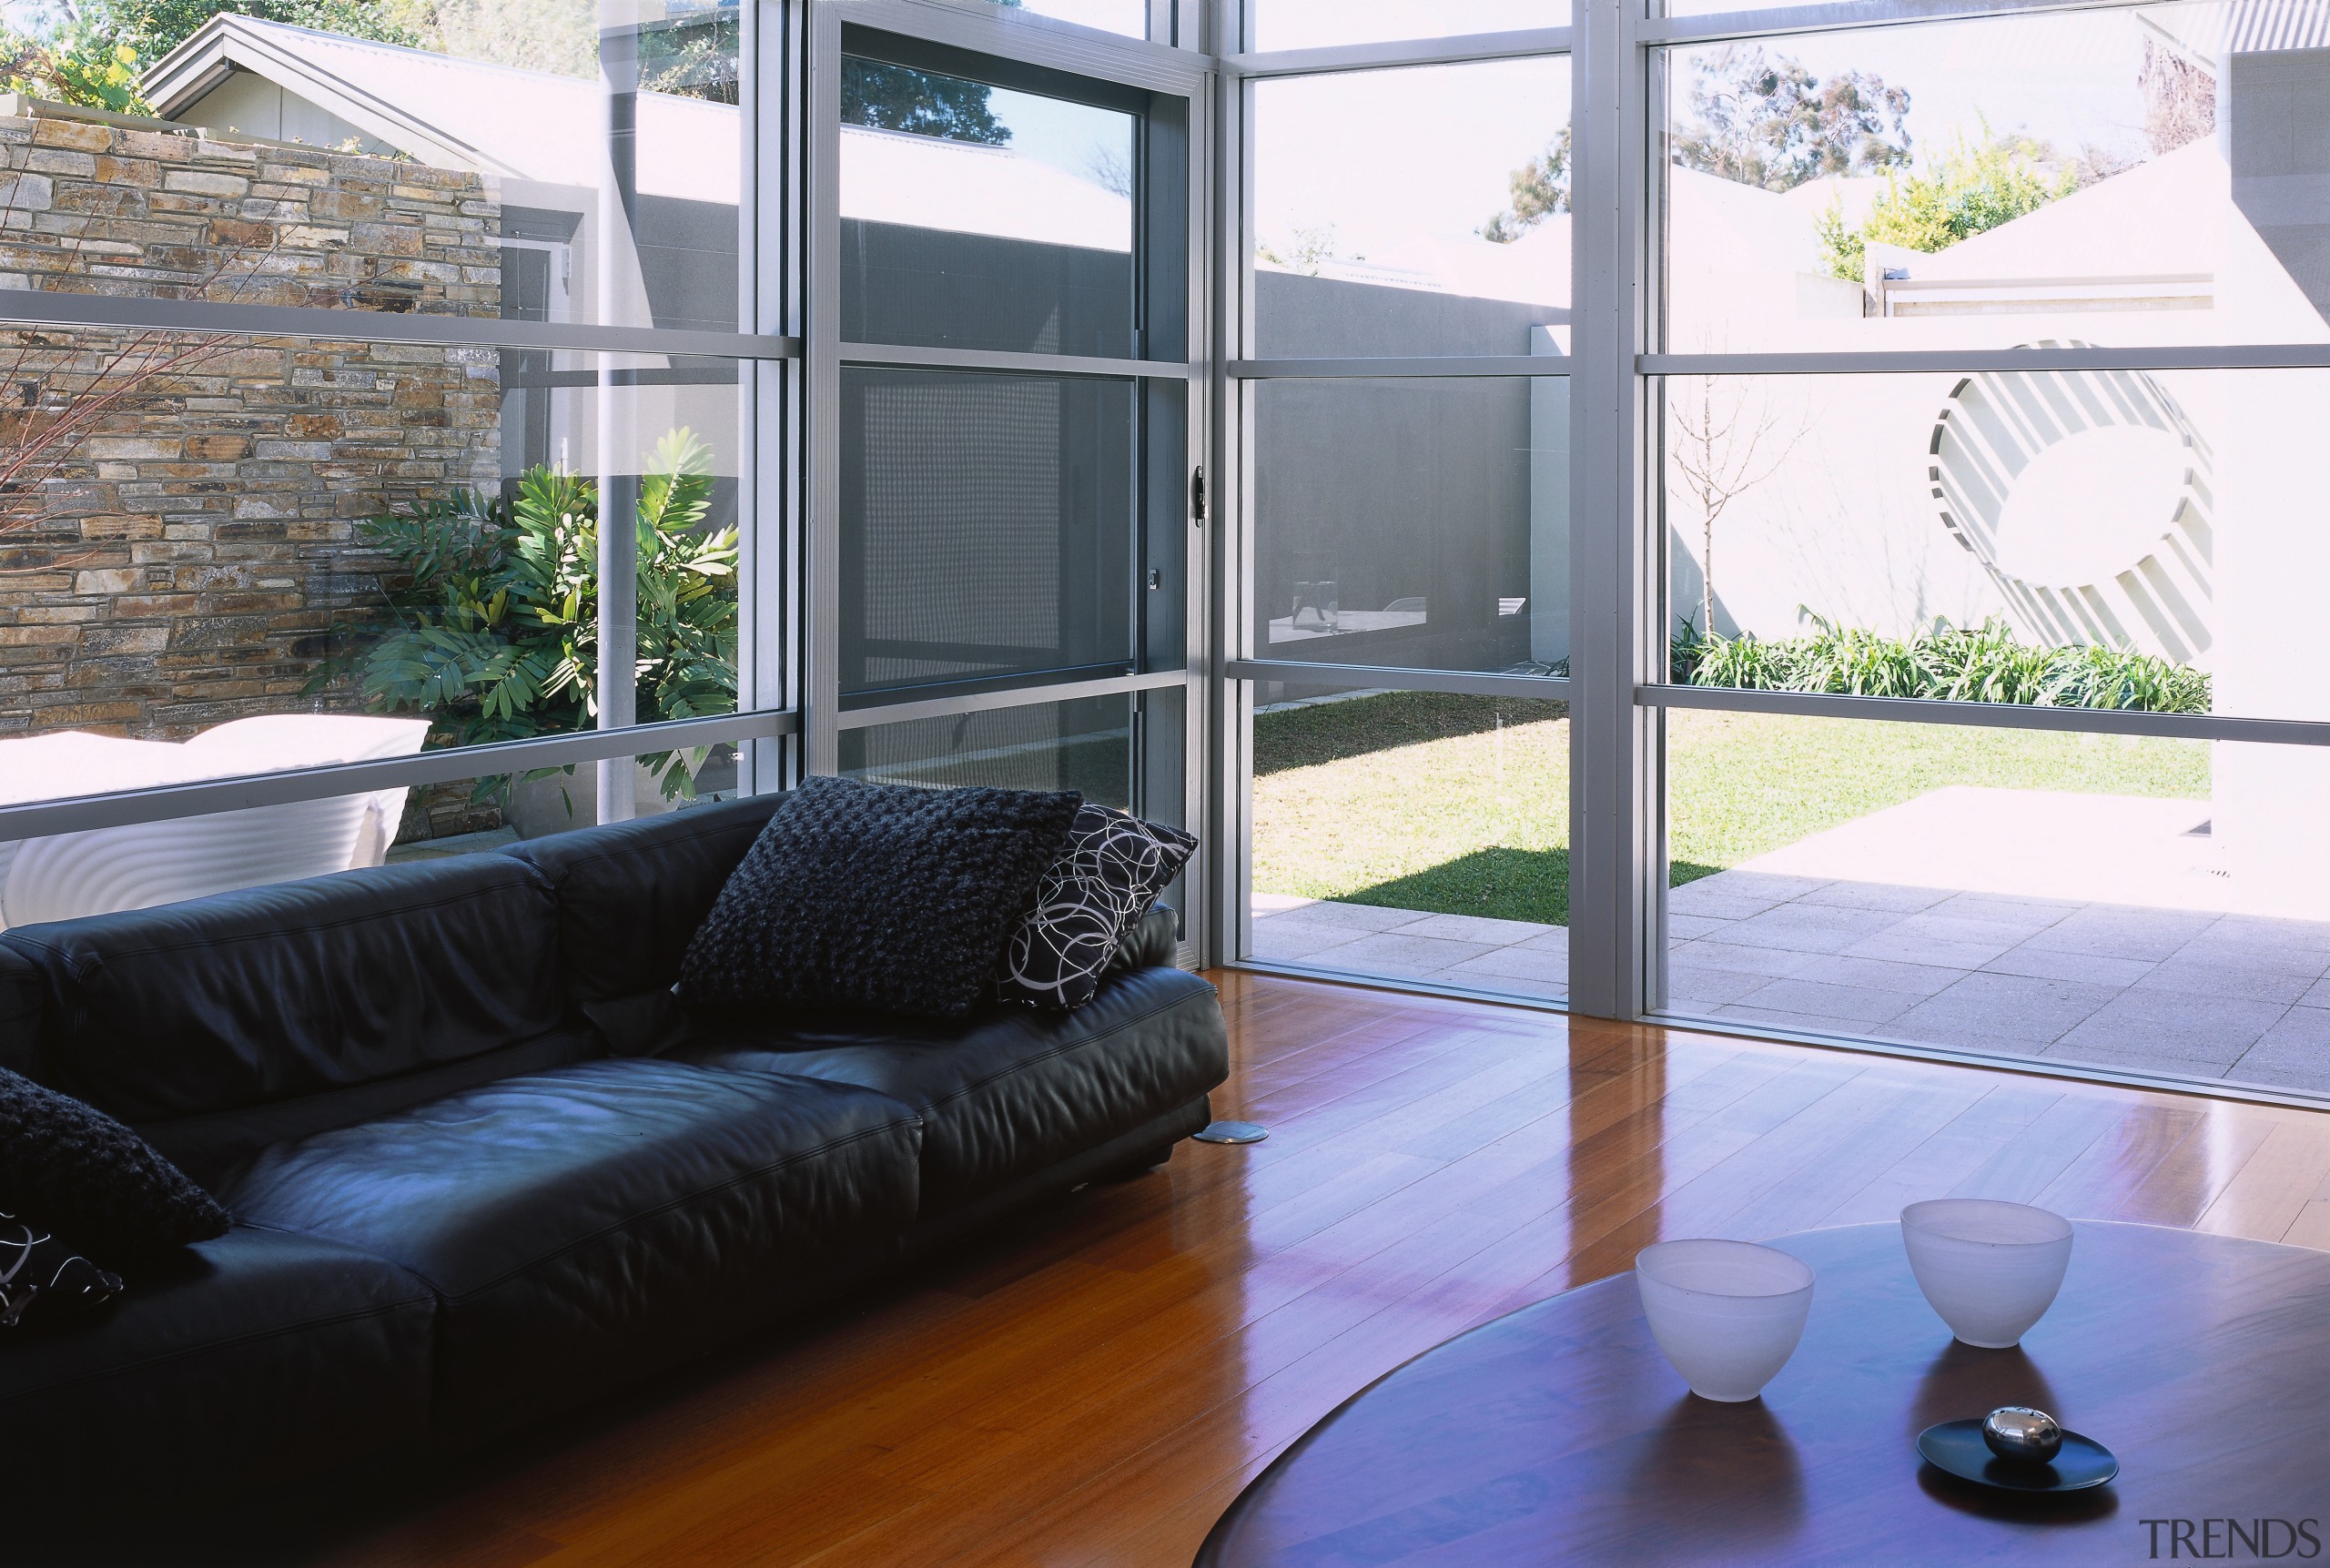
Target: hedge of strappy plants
1985 663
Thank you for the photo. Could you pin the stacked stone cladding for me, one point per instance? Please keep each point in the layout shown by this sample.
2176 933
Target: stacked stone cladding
194 559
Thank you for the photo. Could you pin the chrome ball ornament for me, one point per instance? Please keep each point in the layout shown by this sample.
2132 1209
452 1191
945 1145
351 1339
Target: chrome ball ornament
2022 1435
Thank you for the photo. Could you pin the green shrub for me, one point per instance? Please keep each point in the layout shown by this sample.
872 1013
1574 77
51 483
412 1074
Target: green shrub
496 632
1960 664
1968 189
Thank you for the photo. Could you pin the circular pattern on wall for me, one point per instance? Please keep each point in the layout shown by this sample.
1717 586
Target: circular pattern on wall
2084 494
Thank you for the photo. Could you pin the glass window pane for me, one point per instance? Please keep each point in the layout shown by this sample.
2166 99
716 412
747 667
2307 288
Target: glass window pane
988 527
2113 178
1086 746
469 816
1317 24
2104 900
1130 17
976 217
101 871
230 555
1413 212
2124 539
1422 524
518 173
1413 836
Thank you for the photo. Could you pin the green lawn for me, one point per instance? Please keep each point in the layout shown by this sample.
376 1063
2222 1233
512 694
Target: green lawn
1460 805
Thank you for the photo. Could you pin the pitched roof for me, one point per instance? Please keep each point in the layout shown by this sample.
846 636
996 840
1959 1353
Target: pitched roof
462 114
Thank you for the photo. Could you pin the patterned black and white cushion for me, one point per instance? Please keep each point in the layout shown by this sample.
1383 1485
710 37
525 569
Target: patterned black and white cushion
35 1268
1108 877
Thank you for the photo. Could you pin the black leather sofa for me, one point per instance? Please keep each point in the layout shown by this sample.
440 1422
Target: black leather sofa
466 1196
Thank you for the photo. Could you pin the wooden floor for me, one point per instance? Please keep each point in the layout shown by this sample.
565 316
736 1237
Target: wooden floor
1094 1386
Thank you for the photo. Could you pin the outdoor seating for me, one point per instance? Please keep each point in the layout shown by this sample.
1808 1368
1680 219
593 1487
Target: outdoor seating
103 870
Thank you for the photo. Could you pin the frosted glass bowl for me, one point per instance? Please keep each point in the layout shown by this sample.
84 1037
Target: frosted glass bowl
1991 1270
1727 1314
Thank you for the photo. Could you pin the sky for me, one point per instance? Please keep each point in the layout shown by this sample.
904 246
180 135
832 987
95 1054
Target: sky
1385 156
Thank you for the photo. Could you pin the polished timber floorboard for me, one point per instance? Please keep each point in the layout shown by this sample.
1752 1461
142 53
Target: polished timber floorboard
1094 1385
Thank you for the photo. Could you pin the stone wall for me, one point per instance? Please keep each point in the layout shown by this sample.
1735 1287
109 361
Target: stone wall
192 559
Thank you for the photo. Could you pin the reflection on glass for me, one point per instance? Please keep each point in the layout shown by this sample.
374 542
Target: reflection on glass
2112 177
105 870
2116 901
1318 24
1422 524
1412 835
232 554
1086 746
1413 212
2136 540
988 527
530 163
978 217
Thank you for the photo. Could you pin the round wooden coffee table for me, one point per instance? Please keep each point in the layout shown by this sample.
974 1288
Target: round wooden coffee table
1559 1433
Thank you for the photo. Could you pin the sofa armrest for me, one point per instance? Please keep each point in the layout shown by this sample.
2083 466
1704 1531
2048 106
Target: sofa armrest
1154 943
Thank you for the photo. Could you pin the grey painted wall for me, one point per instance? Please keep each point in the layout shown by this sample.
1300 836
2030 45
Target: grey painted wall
1453 492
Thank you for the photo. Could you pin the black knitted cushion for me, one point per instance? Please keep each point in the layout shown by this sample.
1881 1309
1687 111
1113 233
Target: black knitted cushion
71 1165
1101 888
43 1277
877 896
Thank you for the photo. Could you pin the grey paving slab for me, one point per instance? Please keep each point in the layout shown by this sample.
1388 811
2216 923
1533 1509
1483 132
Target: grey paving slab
1880 974
2298 1042
1521 961
1855 1005
1779 1018
1705 900
2006 909
1396 953
2256 933
1694 988
1287 942
1810 928
2019 1007
1472 928
2053 963
1909 948
1876 896
1513 985
2136 1058
2243 979
2171 1025
1769 961
1352 916
2118 933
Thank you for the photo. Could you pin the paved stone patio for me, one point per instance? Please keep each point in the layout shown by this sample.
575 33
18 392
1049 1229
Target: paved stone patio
1950 921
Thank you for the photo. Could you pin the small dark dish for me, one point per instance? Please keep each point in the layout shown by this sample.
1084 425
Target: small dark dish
1957 1447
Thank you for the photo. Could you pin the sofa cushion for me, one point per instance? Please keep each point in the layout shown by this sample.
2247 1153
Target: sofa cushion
877 896
1008 1091
583 1227
41 1272
630 898
1102 886
296 988
253 1359
66 1163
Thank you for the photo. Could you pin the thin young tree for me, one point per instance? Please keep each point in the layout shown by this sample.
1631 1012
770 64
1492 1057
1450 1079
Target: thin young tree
1729 434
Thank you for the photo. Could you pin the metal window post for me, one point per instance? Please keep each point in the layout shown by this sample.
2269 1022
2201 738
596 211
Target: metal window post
618 677
1617 843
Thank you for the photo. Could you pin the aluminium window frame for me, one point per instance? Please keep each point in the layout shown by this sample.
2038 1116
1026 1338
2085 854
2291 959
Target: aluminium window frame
1618 692
766 357
1046 49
